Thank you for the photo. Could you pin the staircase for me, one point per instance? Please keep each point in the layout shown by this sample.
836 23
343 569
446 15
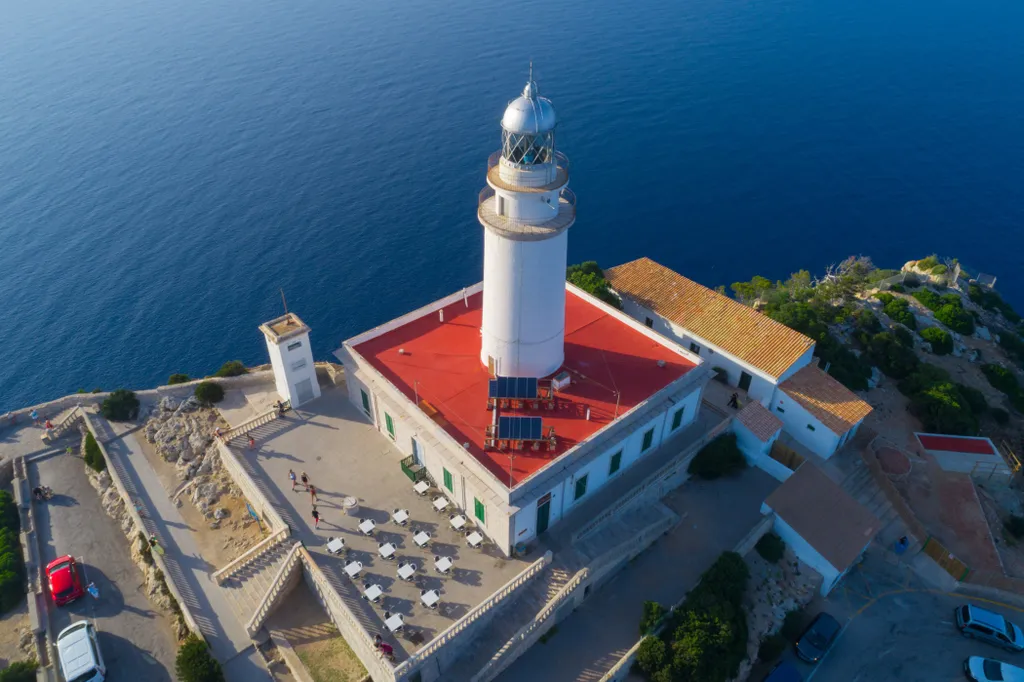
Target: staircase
246 588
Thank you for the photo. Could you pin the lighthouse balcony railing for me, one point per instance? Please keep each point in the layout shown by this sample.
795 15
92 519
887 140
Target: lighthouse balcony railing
542 177
562 216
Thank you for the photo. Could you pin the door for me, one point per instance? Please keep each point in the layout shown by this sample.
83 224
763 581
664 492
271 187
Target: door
745 381
543 514
305 390
417 452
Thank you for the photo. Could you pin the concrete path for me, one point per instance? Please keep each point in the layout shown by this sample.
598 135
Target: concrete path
137 641
716 515
189 571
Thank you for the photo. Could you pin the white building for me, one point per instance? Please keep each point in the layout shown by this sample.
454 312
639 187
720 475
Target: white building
772 363
599 390
826 528
291 358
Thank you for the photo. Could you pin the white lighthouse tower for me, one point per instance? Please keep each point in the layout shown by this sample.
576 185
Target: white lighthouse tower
526 210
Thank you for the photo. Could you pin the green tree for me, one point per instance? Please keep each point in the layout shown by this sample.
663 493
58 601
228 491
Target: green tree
93 455
120 406
924 377
1001 378
652 655
771 548
892 357
975 399
589 277
956 318
231 368
195 663
941 341
720 457
209 392
652 615
19 671
942 409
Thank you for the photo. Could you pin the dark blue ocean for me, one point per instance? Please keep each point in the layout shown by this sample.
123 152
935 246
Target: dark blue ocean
166 167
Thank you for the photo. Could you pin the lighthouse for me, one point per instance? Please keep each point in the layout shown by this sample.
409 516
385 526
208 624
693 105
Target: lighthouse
526 211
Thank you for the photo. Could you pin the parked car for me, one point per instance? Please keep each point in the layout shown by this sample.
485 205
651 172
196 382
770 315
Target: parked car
79 653
784 672
65 580
990 627
989 670
818 638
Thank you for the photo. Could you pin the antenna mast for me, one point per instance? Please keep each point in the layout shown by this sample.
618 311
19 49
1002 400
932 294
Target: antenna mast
283 300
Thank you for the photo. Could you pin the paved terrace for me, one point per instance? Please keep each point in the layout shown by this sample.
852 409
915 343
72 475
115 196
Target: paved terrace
344 455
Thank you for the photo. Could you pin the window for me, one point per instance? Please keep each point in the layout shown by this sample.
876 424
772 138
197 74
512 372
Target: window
648 439
389 423
478 510
778 408
293 346
581 487
649 322
366 401
810 428
694 348
448 480
501 205
299 364
615 463
677 418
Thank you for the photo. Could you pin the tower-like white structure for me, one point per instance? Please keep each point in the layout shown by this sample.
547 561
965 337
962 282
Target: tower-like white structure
526 211
291 358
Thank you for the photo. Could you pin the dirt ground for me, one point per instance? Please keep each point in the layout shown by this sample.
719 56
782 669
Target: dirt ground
13 628
233 535
998 500
325 653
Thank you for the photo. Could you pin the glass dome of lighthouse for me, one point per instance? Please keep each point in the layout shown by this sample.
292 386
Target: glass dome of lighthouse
528 128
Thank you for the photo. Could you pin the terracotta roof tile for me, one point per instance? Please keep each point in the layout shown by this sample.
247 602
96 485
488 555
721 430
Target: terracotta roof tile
754 338
759 421
826 516
834 405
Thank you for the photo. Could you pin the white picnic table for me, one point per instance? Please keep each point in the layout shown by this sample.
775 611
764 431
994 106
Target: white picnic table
335 545
444 564
474 539
421 487
400 516
394 623
353 568
386 551
421 538
430 598
406 571
441 503
367 526
458 522
373 592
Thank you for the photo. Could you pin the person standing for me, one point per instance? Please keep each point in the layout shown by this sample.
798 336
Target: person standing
35 417
316 517
734 400
291 477
312 494
305 480
155 546
252 442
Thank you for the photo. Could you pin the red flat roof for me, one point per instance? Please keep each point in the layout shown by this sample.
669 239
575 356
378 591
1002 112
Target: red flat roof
602 354
965 444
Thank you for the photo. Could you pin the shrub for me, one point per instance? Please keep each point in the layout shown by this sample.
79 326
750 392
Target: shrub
9 517
895 287
928 298
866 321
120 406
843 364
1001 416
1011 343
898 310
178 379
942 342
771 548
209 392
231 368
12 563
975 399
892 357
939 269
1015 526
942 409
928 263
1017 401
956 318
1001 378
589 277
651 657
19 671
195 663
903 335
720 457
924 377
93 454
793 624
771 648
990 300
653 613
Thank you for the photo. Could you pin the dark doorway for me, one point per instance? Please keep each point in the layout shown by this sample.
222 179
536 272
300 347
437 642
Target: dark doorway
745 381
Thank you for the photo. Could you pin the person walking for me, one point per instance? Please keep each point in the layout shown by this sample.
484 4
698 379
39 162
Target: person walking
734 400
252 442
35 417
312 494
291 477
316 517
155 546
305 480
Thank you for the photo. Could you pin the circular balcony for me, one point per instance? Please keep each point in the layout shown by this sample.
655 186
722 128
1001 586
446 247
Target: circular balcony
562 218
540 178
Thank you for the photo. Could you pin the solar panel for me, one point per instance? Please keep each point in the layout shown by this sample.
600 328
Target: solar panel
521 388
519 428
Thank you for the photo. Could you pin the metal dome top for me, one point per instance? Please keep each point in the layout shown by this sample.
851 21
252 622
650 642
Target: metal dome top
529 113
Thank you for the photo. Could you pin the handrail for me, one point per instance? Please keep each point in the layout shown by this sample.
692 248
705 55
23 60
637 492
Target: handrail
249 488
252 554
644 486
556 176
473 614
563 216
257 421
274 591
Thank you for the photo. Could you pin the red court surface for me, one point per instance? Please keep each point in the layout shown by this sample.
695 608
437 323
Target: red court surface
604 356
964 444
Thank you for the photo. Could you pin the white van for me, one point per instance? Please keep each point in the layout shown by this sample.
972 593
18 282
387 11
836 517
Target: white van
79 652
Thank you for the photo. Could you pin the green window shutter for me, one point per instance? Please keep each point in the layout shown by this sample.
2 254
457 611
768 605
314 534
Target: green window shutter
677 418
390 424
648 439
366 401
448 480
581 487
616 463
478 509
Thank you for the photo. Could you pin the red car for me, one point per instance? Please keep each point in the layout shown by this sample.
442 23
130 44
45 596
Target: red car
65 580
